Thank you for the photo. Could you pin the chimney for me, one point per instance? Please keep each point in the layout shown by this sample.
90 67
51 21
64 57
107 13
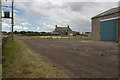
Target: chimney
55 26
68 26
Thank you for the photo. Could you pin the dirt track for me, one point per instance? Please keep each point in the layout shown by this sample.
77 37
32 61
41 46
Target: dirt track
79 58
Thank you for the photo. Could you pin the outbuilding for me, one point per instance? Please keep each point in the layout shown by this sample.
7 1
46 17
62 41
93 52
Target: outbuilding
105 26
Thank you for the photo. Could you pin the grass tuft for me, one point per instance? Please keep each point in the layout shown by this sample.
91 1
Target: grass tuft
26 72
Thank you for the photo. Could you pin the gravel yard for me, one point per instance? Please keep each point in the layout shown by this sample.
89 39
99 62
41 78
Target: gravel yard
79 58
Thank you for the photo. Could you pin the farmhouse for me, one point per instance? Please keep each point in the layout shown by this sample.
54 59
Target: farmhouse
63 31
105 25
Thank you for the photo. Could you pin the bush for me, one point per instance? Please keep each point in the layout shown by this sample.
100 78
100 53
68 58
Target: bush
74 34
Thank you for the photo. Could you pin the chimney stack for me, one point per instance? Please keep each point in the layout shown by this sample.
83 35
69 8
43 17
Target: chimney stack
55 26
68 26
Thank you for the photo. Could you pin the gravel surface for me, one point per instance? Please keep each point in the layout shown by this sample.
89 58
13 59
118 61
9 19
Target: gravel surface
79 58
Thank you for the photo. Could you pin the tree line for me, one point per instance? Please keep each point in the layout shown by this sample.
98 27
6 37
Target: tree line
30 33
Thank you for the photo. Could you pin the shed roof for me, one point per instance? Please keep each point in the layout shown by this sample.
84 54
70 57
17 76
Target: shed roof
108 12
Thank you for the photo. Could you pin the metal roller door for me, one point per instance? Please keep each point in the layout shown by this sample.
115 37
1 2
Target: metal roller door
108 30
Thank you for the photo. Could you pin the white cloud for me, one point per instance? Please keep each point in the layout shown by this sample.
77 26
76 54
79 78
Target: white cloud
15 11
47 27
16 27
22 21
18 19
38 28
5 25
26 24
67 20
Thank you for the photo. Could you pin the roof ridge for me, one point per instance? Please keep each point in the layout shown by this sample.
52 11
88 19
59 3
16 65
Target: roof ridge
61 27
112 12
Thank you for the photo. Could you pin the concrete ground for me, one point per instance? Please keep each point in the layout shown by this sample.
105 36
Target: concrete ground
79 58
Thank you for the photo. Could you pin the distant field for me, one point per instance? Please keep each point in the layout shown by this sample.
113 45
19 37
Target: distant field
22 62
56 37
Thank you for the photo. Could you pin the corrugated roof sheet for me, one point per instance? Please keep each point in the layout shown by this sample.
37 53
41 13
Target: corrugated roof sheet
108 12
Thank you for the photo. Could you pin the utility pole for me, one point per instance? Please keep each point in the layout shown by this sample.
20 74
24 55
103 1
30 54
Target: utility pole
12 21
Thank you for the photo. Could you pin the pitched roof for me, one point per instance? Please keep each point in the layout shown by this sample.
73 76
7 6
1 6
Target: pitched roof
63 28
108 12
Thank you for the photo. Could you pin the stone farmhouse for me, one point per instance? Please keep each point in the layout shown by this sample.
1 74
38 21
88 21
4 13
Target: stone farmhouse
63 31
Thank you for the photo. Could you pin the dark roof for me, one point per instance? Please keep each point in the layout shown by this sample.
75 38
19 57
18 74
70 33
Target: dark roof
63 28
108 12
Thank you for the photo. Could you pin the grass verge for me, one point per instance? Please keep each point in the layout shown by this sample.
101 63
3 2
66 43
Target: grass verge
22 62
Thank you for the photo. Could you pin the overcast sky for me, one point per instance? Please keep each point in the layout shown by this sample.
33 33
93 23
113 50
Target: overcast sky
43 16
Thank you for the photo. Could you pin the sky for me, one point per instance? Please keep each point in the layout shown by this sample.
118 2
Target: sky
41 16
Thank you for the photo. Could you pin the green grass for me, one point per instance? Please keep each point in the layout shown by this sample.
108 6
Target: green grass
26 72
22 62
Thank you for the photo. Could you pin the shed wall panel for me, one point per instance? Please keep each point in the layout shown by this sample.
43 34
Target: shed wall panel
117 30
96 29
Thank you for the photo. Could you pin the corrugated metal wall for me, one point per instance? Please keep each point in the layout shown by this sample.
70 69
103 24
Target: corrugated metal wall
96 29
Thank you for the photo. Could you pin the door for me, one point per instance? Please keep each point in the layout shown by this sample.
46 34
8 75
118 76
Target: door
108 30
